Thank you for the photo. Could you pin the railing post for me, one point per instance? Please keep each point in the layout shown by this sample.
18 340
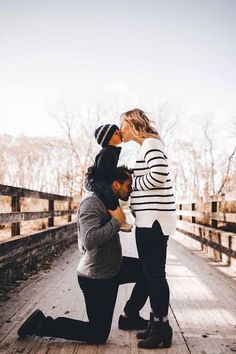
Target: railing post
69 208
193 217
15 207
51 208
214 210
180 208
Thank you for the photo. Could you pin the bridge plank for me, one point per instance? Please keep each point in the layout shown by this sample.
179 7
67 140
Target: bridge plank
202 311
203 302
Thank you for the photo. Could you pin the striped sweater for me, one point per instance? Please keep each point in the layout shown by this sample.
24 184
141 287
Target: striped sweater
152 197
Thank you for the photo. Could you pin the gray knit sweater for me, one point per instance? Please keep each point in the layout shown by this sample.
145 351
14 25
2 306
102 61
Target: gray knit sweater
99 239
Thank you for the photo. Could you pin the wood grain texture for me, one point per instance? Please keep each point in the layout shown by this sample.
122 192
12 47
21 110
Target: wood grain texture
202 310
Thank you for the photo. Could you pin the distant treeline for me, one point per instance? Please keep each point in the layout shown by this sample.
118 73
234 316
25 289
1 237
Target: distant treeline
202 159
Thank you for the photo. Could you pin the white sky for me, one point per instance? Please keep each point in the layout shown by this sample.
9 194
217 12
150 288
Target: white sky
169 50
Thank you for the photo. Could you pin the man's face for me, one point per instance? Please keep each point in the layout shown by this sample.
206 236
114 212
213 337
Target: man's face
123 190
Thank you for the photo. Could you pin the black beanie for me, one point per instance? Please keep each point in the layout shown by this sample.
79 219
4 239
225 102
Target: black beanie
104 133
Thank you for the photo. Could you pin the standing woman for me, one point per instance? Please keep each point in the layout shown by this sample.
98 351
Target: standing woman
153 204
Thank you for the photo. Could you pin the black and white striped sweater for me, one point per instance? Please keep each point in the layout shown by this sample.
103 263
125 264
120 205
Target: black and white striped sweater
152 197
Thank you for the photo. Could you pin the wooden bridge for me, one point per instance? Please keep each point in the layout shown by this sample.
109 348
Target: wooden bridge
200 270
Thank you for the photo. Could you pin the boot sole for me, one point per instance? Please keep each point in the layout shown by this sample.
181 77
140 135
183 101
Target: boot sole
162 344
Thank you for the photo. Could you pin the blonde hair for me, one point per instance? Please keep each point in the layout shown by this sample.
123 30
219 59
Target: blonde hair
139 124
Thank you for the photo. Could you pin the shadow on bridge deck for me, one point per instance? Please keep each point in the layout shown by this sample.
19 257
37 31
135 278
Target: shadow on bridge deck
202 313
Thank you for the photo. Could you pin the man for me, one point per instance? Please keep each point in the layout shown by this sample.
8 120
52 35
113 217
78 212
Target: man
100 272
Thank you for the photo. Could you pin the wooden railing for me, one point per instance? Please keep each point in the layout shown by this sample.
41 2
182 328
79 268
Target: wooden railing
27 246
213 224
16 216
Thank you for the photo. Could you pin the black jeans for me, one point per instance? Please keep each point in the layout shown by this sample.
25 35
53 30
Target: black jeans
100 298
152 248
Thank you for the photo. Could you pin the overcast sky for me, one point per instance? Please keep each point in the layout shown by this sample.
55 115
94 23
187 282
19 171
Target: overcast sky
179 50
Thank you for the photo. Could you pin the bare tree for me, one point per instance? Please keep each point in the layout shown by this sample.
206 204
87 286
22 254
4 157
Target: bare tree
226 175
187 163
229 161
200 165
167 120
210 148
78 124
3 158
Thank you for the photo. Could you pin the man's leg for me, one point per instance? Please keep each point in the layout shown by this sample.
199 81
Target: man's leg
100 297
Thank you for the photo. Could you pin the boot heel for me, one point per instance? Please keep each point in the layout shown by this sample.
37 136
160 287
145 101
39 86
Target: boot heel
167 342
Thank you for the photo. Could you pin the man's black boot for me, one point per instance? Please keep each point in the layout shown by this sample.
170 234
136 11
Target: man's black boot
135 322
145 334
160 336
32 324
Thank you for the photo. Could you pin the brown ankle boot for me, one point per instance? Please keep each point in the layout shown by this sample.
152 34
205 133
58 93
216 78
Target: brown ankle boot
160 336
145 334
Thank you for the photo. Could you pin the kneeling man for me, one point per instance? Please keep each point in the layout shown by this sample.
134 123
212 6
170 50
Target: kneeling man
100 272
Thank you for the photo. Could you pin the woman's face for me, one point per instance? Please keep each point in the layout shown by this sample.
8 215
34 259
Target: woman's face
126 132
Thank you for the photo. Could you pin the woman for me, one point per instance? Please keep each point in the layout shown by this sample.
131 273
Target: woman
153 204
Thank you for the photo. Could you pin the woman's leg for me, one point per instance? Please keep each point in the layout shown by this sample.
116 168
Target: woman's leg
152 248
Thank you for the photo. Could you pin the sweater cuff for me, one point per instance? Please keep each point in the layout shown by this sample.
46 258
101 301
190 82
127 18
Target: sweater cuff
116 224
134 183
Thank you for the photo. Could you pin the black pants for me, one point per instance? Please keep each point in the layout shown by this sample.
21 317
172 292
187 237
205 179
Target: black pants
100 298
152 247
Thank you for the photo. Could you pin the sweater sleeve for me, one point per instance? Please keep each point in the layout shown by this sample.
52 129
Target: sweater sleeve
92 233
155 158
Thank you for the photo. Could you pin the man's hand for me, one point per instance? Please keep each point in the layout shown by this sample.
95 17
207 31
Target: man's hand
117 214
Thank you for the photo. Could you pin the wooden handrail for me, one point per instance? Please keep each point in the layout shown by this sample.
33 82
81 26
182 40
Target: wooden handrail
8 218
29 193
212 224
227 217
216 214
17 216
